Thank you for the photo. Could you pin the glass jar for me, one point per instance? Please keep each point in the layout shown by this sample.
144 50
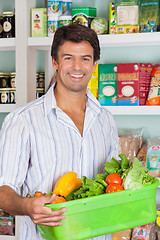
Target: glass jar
13 80
8 25
6 80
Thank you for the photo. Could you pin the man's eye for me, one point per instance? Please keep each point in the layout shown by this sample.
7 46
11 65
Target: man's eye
86 59
67 58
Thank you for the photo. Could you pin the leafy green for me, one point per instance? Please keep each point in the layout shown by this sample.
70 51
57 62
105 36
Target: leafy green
137 176
117 166
90 187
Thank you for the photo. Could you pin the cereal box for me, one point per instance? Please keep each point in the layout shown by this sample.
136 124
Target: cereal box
39 22
93 83
145 71
128 84
112 27
107 84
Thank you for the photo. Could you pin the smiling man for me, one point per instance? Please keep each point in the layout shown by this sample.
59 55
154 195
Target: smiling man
64 130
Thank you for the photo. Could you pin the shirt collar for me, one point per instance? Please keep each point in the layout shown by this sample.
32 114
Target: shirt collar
50 101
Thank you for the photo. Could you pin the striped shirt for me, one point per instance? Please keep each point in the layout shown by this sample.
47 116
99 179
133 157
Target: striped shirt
39 143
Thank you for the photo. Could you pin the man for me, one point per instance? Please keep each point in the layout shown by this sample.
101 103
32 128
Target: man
64 130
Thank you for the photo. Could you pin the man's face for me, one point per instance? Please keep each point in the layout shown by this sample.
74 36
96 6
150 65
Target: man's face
75 64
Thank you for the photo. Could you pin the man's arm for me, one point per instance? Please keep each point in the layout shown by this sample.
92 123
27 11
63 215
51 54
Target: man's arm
34 207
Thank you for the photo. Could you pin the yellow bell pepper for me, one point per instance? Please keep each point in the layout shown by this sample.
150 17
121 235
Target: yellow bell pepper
67 183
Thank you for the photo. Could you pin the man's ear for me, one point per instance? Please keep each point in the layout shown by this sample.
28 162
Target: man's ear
55 64
94 65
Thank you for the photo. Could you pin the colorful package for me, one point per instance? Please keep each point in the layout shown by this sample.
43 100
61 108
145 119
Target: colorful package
153 156
39 22
149 15
145 71
54 8
112 21
93 83
107 84
153 97
127 16
83 15
145 232
128 84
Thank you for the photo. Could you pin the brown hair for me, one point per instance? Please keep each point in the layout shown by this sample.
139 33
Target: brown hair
76 33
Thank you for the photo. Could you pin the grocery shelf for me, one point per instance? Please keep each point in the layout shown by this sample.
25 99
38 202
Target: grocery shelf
7 108
134 110
7 44
134 39
7 237
106 40
40 43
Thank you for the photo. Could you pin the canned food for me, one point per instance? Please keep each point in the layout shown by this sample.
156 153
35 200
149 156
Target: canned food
64 20
1 25
54 8
67 7
13 80
53 24
8 25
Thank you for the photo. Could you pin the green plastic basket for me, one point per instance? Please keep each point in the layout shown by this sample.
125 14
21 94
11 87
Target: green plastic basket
103 214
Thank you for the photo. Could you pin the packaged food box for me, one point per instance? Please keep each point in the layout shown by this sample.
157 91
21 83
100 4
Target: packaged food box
7 224
103 214
127 16
112 21
149 15
39 22
83 15
107 84
145 71
93 83
128 84
54 7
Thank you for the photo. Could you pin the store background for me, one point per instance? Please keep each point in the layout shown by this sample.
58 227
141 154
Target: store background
143 54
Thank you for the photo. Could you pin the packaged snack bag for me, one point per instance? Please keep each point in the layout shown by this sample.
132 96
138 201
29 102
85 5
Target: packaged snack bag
154 89
153 156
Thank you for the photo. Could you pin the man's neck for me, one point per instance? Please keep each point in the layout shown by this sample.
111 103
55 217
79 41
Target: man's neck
70 102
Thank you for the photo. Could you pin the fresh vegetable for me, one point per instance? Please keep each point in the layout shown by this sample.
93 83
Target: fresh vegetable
137 176
113 178
67 183
90 187
117 166
58 199
114 187
38 194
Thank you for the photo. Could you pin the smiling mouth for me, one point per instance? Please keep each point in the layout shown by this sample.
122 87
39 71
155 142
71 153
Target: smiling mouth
76 75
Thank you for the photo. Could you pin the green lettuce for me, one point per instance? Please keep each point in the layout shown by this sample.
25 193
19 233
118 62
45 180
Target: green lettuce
137 176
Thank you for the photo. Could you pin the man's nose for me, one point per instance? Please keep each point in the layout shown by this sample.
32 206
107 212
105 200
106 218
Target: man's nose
76 64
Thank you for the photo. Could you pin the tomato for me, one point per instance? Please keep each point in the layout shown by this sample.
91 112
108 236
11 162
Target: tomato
114 187
113 178
38 194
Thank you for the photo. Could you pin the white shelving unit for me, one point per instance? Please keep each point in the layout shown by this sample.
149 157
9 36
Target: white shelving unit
25 48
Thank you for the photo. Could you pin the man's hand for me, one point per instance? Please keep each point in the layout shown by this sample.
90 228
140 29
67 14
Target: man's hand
44 215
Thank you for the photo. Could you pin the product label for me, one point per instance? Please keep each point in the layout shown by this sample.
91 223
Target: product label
52 27
7 26
128 84
153 158
107 85
67 8
127 15
54 8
